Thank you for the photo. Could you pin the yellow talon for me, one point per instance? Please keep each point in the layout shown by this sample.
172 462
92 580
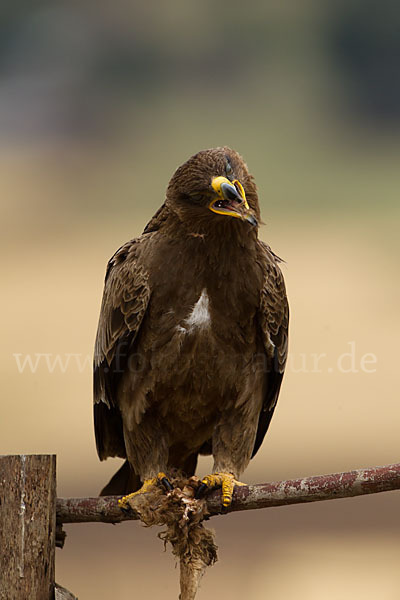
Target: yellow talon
224 480
147 485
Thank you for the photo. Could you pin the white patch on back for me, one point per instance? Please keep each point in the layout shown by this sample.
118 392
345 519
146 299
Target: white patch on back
200 315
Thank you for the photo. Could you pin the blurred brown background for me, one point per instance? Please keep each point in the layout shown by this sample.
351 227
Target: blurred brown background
99 103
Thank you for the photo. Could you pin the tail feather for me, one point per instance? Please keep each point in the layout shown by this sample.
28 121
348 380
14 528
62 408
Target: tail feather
125 481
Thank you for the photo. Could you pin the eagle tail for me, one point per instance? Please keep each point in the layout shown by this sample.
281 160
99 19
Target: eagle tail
125 481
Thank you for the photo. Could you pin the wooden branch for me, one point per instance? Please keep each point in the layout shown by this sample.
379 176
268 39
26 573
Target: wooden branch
262 495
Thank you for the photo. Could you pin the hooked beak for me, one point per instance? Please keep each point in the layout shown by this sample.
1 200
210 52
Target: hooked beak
231 200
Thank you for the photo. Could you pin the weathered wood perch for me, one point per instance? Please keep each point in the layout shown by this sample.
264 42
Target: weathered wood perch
27 526
28 509
262 495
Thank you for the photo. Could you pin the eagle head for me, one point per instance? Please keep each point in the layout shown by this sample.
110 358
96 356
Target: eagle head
214 184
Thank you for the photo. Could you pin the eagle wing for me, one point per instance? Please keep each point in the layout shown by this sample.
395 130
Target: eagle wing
125 299
273 320
158 219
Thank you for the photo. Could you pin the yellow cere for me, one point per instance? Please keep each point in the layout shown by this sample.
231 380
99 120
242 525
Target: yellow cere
217 182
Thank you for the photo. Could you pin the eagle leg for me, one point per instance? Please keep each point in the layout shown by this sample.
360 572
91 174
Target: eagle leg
226 481
147 485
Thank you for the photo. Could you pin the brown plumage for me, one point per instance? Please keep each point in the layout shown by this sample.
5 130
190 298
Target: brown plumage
192 337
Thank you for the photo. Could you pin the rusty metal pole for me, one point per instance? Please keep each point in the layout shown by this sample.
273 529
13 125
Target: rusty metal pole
27 526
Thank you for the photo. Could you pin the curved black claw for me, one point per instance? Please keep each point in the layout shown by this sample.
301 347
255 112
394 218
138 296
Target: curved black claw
127 510
165 482
201 490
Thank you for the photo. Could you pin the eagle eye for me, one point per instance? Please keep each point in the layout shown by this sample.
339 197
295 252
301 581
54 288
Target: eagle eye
228 169
196 198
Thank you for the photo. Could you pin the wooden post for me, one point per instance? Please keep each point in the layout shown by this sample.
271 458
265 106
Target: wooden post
27 527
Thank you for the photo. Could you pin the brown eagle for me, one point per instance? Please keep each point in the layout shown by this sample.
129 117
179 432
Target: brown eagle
192 337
